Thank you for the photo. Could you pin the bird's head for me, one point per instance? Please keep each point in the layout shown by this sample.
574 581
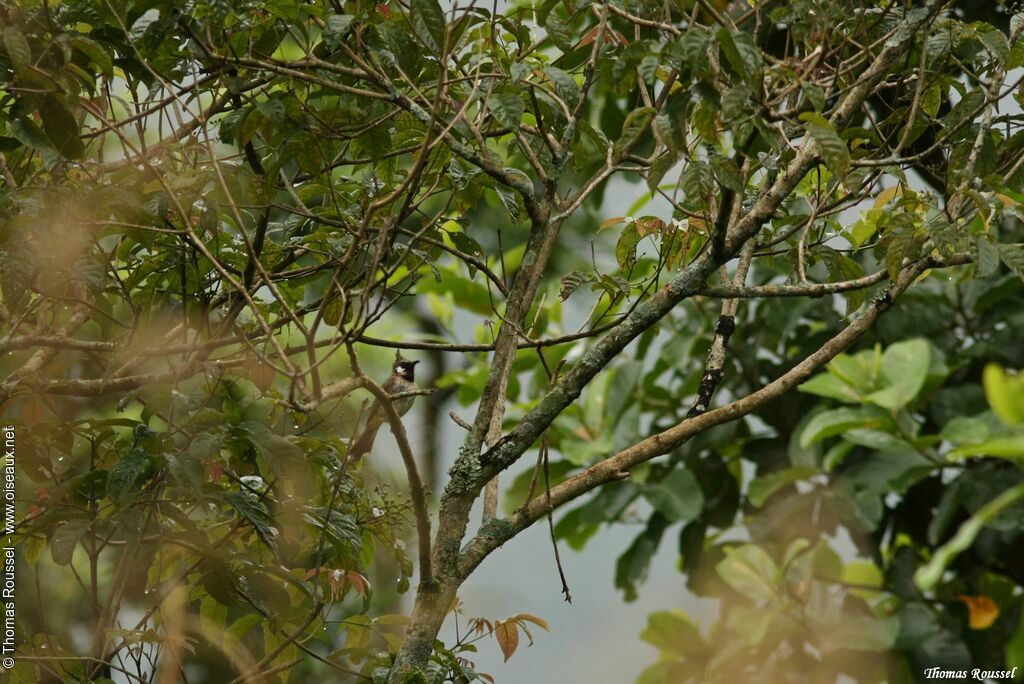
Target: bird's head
405 368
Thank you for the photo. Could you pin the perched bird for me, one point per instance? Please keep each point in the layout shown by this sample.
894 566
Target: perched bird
402 379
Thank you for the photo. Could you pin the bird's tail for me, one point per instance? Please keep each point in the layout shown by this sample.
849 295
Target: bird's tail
361 446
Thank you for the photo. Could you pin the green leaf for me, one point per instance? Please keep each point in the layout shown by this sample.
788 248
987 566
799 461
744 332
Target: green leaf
696 183
61 128
1005 393
949 505
751 625
672 632
632 566
336 28
863 574
428 21
865 227
693 47
565 85
124 475
861 633
65 539
931 100
763 487
749 51
963 430
269 443
727 173
206 445
240 627
508 109
625 248
704 121
1011 446
520 71
740 51
728 47
829 385
255 512
815 95
509 199
986 257
670 124
572 282
996 42
968 107
96 54
929 575
837 421
902 243
833 149
17 48
750 571
836 454
678 496
944 234
559 32
659 167
905 367
466 244
635 125
1013 257
1015 647
734 102
27 133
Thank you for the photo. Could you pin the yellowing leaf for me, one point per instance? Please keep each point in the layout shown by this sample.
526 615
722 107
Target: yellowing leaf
507 634
982 611
531 618
648 225
612 222
884 197
1005 393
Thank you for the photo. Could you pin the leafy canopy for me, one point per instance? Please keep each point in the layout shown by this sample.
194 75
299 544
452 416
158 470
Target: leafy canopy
215 214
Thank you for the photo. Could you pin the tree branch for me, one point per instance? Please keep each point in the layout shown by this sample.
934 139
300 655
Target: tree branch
416 491
618 466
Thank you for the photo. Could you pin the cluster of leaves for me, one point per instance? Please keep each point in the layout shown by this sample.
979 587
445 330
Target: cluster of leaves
915 502
453 661
244 507
197 195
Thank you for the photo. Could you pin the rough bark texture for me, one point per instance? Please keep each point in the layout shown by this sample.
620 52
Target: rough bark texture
429 612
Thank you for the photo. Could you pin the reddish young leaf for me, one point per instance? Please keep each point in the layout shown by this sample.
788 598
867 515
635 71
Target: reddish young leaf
358 582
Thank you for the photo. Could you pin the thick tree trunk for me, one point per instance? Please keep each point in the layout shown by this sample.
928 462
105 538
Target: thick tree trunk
432 603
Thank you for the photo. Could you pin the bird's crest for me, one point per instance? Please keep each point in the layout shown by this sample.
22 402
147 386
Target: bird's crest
404 367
